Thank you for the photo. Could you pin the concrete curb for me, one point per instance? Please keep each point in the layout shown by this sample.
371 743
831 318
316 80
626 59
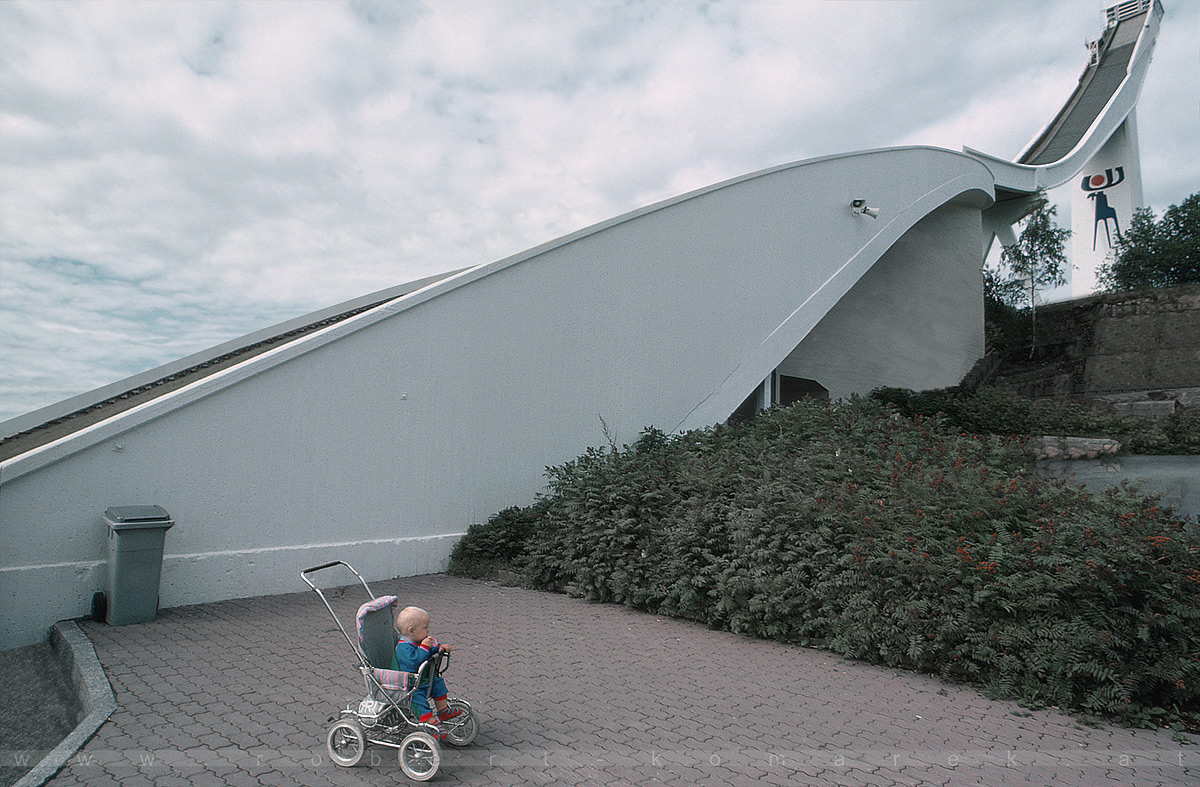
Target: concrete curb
92 691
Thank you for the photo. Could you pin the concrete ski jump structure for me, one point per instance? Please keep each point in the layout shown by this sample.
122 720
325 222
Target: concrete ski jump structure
378 430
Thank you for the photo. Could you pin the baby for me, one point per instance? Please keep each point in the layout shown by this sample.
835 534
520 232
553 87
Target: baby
414 646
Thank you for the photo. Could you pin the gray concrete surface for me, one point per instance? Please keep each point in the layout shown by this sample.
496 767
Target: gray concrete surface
238 693
37 708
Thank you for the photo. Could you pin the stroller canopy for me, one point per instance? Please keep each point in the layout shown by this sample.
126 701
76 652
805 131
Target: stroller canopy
376 630
377 638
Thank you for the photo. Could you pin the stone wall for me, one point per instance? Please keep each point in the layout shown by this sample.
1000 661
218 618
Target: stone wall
1115 345
1065 448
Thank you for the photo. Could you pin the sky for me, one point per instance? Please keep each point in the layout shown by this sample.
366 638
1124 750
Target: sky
176 174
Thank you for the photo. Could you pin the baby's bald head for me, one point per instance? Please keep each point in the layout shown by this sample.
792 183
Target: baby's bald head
413 623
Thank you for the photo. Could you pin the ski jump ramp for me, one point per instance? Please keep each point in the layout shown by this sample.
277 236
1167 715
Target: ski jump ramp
377 431
1091 143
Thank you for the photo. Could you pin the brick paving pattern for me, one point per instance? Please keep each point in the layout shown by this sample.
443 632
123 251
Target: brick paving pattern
238 693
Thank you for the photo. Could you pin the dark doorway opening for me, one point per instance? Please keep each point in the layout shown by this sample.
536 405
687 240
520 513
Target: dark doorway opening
793 389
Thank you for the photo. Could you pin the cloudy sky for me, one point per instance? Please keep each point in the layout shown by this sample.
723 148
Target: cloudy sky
177 174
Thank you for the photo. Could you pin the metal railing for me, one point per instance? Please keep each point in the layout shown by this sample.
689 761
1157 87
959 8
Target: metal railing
1126 10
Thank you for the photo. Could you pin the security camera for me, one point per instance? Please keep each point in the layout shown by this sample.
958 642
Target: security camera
860 206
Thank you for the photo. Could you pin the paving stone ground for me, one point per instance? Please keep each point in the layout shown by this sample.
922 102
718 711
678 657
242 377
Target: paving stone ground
238 693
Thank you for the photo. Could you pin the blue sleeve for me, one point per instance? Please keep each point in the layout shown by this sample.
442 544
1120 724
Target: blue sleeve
410 656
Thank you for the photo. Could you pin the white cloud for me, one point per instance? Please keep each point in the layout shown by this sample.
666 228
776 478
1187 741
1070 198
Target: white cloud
179 173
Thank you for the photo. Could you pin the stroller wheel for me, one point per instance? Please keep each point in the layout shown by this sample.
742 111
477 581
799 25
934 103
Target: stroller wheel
346 743
462 729
419 756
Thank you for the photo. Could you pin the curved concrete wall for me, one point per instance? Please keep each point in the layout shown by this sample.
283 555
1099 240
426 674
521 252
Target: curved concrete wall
912 318
380 439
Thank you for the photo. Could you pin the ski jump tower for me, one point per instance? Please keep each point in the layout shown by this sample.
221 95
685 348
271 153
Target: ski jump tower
1091 144
377 430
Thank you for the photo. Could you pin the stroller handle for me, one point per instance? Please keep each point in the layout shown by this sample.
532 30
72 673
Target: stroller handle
322 567
304 576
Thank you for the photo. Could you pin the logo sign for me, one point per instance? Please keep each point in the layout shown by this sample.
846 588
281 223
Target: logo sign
1095 185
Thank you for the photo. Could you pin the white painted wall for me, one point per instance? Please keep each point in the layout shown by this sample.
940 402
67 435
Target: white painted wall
380 439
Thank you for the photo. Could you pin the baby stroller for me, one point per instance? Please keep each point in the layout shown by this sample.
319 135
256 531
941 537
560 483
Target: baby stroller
385 716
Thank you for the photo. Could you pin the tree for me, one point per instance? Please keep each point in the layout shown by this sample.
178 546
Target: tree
1004 328
1036 260
1157 254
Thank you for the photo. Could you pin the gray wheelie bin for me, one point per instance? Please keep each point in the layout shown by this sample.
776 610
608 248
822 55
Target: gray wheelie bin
135 554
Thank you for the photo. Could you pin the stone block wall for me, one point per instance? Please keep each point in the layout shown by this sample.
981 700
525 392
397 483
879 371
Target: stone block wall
1147 339
1116 343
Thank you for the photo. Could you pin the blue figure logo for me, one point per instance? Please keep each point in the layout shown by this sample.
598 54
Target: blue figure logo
1095 185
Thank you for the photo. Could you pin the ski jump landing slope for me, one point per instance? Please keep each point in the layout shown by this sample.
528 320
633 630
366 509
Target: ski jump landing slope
377 436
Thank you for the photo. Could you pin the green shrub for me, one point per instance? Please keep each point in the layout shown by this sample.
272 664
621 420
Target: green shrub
1006 329
992 411
1181 431
488 549
902 541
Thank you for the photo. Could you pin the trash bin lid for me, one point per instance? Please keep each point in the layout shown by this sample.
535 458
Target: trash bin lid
137 514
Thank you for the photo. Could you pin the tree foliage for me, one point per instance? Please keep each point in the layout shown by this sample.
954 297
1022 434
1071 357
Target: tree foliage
1036 261
1154 253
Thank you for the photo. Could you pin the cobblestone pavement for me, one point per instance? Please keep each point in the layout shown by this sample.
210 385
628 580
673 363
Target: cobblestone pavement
238 693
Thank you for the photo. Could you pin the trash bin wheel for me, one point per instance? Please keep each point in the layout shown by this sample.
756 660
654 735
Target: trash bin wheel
99 606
